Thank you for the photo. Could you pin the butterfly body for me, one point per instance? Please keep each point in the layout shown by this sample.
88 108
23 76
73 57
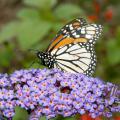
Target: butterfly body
46 58
72 49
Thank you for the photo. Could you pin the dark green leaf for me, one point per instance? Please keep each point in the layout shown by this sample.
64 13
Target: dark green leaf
57 26
118 36
8 31
28 13
113 51
69 118
31 32
6 55
41 3
67 11
63 118
43 118
21 114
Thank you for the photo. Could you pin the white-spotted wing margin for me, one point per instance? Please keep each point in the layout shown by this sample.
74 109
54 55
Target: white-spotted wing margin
91 32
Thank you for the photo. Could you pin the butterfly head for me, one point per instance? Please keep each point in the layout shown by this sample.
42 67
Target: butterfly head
46 58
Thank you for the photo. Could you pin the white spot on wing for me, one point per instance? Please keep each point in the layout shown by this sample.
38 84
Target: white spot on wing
77 36
90 32
83 31
90 28
74 34
88 36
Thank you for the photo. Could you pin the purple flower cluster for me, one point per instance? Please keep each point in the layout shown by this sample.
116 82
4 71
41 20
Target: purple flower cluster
53 92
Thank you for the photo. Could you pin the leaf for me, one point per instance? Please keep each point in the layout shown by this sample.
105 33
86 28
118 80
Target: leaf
42 45
43 118
8 31
59 117
118 35
69 118
31 32
113 51
57 26
28 13
6 55
67 11
21 114
44 4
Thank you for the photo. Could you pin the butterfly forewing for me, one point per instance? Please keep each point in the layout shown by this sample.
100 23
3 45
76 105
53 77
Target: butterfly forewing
76 31
91 32
66 32
72 25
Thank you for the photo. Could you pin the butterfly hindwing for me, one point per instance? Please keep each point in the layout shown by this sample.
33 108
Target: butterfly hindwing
75 58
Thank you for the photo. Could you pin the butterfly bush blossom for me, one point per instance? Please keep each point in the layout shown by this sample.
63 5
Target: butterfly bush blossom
53 92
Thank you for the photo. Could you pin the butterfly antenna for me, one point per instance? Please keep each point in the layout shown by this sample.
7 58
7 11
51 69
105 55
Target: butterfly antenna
33 62
33 50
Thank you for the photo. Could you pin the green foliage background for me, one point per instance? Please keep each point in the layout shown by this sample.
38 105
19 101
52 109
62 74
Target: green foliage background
36 24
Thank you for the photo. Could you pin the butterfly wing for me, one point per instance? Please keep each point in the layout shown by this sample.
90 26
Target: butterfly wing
75 58
72 25
73 47
76 31
66 31
91 32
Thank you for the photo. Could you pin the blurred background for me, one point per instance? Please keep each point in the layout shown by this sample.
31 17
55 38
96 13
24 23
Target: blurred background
32 24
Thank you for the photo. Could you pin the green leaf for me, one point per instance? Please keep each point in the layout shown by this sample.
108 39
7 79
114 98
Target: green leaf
43 118
31 32
67 11
6 55
58 117
44 4
21 114
42 45
113 51
64 118
70 118
118 35
57 26
28 13
8 31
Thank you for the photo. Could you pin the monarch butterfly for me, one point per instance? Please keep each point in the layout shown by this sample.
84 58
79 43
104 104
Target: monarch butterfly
72 49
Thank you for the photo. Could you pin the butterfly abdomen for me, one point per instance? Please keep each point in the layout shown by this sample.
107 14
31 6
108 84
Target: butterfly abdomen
46 58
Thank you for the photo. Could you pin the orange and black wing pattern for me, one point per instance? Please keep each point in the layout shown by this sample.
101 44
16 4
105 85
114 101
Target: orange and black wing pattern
76 31
72 49
64 36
